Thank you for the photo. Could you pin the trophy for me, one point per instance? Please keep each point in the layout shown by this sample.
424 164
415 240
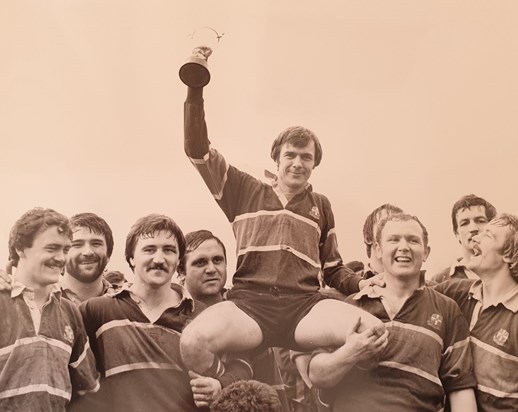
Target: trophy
195 73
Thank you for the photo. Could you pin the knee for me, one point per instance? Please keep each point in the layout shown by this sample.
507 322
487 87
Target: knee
193 340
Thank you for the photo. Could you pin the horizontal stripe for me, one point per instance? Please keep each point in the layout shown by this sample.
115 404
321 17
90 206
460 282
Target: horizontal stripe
247 365
416 328
413 370
82 357
457 345
274 248
331 232
36 339
127 322
497 393
214 170
141 365
35 388
331 264
289 213
95 389
494 350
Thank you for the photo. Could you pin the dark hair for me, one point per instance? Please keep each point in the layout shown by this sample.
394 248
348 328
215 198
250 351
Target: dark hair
297 136
510 249
30 224
368 226
115 276
465 202
147 226
247 396
97 225
402 217
193 240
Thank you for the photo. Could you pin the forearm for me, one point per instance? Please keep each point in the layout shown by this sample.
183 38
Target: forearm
196 142
342 279
463 401
327 369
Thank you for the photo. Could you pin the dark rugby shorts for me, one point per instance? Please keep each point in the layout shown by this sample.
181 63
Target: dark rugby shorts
277 313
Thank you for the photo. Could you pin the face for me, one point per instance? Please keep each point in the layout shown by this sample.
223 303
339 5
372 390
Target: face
44 261
155 259
205 270
88 255
402 248
295 165
487 249
470 222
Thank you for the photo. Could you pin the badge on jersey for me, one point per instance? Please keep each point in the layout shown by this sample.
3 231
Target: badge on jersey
435 321
69 334
501 337
314 212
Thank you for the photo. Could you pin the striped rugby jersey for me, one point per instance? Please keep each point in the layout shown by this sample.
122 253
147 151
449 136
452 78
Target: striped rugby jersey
42 371
279 243
427 356
494 343
139 361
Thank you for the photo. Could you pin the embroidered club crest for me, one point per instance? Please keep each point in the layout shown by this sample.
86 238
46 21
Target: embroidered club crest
314 212
69 334
435 321
501 337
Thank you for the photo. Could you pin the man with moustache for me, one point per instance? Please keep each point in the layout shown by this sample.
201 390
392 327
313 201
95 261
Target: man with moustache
469 215
135 332
490 305
427 355
45 358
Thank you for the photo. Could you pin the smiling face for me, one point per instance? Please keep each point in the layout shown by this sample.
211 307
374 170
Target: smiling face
401 248
470 222
488 250
205 270
155 259
295 166
41 264
88 255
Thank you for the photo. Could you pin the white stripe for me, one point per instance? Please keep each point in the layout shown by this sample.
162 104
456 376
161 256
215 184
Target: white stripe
95 389
203 162
273 248
331 264
331 232
493 350
252 215
457 345
140 365
35 388
497 393
35 339
247 365
127 322
82 356
415 328
411 369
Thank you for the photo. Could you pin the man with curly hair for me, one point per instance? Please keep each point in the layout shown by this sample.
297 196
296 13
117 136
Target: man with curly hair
247 396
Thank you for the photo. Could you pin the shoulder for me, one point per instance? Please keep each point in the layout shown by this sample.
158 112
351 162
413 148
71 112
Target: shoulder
454 288
442 275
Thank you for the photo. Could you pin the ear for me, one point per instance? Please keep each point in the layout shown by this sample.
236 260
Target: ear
507 259
132 261
427 251
20 253
377 250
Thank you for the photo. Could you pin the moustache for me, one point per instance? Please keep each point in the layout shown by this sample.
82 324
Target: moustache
157 266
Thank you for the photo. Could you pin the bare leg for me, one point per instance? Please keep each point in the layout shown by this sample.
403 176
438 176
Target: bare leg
328 321
220 328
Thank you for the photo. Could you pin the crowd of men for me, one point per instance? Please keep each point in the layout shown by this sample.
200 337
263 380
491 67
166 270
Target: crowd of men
379 335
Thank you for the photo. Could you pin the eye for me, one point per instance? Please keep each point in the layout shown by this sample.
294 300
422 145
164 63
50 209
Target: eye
308 157
170 250
97 244
199 263
219 259
66 250
76 244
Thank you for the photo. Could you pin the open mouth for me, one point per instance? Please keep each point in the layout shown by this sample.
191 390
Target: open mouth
403 259
476 250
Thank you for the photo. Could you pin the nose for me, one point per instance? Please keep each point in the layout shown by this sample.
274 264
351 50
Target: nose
297 161
210 268
403 244
87 250
476 238
60 257
473 227
158 257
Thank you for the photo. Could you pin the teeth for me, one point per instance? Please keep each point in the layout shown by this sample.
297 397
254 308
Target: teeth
402 259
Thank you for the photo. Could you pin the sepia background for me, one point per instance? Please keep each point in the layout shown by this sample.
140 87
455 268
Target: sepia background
415 103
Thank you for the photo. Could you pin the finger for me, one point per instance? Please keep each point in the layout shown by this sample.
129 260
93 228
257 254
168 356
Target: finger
355 326
201 404
9 267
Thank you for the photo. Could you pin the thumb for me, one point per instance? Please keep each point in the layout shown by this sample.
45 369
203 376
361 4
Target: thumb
194 375
9 267
355 326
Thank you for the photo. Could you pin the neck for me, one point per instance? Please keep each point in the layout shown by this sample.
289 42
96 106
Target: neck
210 300
496 285
401 288
289 192
163 295
375 264
82 289
41 292
466 255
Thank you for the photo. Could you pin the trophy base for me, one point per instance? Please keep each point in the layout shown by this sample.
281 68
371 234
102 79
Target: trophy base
195 73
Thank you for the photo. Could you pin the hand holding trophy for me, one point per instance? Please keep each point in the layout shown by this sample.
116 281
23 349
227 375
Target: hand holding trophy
195 73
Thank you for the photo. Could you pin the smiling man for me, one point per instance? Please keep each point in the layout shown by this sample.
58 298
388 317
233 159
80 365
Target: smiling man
135 332
427 355
469 215
285 234
490 305
45 358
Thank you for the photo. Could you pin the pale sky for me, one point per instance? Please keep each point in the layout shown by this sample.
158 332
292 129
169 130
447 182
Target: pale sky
415 103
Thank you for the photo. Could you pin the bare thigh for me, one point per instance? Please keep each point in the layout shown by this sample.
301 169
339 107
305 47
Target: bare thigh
328 321
225 327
